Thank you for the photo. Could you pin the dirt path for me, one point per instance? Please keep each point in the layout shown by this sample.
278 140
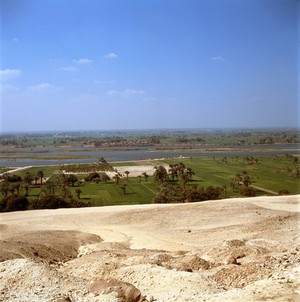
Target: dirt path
264 190
15 170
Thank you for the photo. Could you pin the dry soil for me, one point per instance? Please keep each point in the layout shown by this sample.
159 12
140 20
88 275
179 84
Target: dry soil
227 250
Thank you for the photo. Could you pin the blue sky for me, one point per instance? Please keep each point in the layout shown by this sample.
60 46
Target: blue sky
140 64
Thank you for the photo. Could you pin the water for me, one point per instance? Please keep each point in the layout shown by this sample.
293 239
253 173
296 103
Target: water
92 155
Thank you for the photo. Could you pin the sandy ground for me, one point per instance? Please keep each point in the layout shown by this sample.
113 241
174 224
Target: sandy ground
134 171
227 250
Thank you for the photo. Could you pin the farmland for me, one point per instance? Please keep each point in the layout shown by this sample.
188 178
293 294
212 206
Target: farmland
269 176
264 162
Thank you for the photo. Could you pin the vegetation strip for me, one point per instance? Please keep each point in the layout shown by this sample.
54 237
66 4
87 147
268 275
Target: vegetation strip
176 180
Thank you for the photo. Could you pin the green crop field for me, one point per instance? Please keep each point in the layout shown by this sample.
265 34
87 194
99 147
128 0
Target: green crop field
269 175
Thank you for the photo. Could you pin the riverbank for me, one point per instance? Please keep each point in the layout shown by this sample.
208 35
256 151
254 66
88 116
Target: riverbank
58 156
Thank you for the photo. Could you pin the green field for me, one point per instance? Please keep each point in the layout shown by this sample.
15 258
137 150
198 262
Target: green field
269 175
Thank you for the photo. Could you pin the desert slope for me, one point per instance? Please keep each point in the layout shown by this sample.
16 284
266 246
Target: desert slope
226 250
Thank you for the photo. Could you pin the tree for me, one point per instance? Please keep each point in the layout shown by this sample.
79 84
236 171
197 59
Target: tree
127 173
124 189
117 178
105 177
48 188
26 188
14 203
4 187
78 192
191 195
28 179
184 178
167 194
102 160
71 179
40 175
12 178
160 174
173 171
61 181
17 188
92 176
189 173
65 194
50 202
145 175
213 193
248 191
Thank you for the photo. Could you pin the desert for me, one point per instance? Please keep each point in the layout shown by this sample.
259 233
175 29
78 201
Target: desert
239 249
149 151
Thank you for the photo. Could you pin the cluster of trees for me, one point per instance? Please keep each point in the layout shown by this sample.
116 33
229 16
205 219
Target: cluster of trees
52 201
242 183
10 187
12 183
102 165
122 141
293 169
174 186
14 203
143 175
176 172
250 160
173 194
53 194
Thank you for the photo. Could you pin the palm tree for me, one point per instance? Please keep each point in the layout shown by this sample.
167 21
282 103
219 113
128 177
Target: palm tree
126 172
4 187
124 189
26 188
117 178
184 178
160 173
72 179
145 175
190 173
28 178
50 186
173 171
78 192
40 175
17 188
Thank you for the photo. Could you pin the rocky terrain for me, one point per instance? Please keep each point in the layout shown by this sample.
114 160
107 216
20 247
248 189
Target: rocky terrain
227 250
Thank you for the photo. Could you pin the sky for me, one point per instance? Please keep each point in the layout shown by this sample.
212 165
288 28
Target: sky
147 64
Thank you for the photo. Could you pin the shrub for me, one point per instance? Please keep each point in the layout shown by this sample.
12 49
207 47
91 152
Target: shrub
13 178
284 192
213 192
92 176
169 194
50 202
14 203
248 191
55 202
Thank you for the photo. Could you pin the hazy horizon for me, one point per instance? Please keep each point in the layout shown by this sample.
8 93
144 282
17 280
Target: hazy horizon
116 65
154 130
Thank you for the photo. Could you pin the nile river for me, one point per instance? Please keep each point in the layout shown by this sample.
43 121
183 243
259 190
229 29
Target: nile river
21 157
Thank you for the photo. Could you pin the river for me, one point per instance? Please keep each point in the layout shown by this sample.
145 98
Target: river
21 157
